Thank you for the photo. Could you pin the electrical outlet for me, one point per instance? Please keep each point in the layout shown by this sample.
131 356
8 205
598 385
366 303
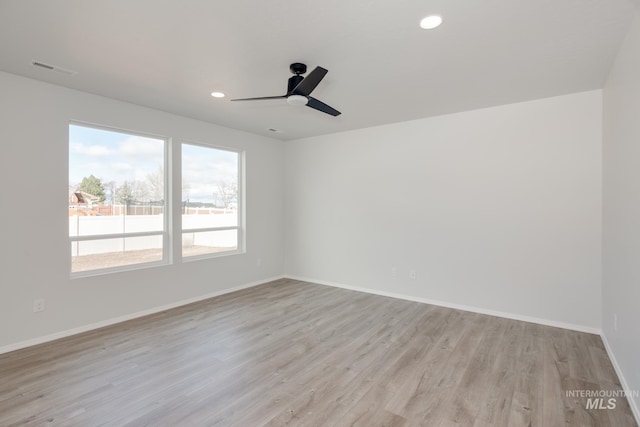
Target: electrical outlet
38 305
412 274
394 272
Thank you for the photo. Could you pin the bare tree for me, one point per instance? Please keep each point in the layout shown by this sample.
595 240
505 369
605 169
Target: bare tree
155 185
227 192
131 192
140 191
111 189
186 187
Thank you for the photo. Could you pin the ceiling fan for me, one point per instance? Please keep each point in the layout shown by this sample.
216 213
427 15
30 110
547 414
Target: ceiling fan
299 89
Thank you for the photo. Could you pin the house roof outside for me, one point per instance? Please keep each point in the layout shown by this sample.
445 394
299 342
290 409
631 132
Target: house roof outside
81 197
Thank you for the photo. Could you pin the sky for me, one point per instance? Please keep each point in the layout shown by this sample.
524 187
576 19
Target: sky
203 169
119 157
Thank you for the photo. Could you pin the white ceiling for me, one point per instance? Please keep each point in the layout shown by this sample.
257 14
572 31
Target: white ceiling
170 55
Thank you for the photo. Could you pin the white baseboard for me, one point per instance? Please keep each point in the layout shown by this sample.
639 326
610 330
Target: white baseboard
580 328
113 321
546 322
51 337
623 382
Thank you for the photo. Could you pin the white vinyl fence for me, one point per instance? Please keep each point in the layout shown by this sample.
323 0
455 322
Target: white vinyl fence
102 225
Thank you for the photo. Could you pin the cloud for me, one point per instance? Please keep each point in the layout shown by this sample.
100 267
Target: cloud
141 147
121 166
117 157
90 150
204 168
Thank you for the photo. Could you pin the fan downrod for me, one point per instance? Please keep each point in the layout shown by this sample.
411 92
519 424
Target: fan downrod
298 68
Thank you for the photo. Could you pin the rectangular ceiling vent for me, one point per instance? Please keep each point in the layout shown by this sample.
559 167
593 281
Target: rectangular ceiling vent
55 68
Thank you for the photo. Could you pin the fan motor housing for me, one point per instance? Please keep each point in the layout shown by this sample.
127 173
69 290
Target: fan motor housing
299 88
293 82
298 68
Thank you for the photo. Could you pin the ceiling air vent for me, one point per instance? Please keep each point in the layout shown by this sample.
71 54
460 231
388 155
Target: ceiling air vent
55 68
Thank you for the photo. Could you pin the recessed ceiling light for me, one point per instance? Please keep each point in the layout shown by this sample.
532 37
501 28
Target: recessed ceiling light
431 22
217 94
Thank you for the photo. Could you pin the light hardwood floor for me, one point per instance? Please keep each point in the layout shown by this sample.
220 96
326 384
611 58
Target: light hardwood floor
300 354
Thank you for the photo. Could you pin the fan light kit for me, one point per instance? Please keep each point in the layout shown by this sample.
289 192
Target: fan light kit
431 22
217 94
297 100
299 88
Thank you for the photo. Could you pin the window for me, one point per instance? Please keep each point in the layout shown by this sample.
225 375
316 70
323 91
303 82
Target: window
116 200
119 203
211 211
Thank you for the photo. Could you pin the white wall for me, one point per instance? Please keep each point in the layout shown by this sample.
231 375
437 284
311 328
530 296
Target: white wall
35 257
621 231
497 209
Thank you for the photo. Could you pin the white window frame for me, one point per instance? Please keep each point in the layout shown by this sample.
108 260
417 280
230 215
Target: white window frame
240 210
167 211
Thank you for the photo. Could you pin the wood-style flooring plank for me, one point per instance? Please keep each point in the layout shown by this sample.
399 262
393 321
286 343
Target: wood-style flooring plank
291 353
